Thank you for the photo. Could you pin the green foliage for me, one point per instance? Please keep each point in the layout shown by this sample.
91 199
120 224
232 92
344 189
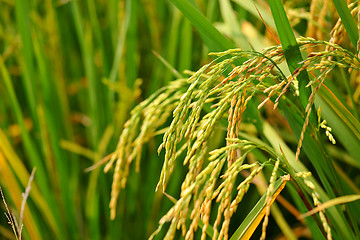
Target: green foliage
261 120
71 72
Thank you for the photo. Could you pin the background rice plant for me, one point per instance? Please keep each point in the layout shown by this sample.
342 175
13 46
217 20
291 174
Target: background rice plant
72 71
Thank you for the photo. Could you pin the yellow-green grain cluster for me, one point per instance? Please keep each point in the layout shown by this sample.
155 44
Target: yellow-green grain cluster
209 99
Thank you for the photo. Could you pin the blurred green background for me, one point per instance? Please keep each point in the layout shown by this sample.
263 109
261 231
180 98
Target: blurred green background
71 71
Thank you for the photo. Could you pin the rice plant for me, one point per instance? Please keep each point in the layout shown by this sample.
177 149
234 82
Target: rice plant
70 73
218 100
237 119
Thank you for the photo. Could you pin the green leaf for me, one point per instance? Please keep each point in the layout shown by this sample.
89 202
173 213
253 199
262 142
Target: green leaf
253 219
290 48
345 126
332 202
211 36
348 21
266 16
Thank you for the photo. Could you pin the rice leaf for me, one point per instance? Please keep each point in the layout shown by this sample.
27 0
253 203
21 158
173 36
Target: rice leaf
253 219
348 21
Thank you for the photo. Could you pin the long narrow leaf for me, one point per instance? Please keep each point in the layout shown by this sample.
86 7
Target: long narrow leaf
332 202
210 35
345 126
290 48
313 148
12 161
348 21
253 219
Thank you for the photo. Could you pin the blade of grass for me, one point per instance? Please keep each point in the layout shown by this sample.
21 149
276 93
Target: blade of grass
210 35
291 50
97 103
295 166
16 196
131 45
84 38
112 16
119 49
98 35
233 25
321 164
315 151
253 219
6 233
350 92
17 166
251 9
294 65
302 202
281 148
332 202
27 64
53 121
279 218
185 58
313 224
172 44
30 147
320 160
348 21
170 68
344 124
213 39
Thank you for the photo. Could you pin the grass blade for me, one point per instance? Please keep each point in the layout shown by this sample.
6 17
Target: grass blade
291 49
344 124
266 16
211 36
29 145
253 219
332 202
348 21
16 195
232 24
23 25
